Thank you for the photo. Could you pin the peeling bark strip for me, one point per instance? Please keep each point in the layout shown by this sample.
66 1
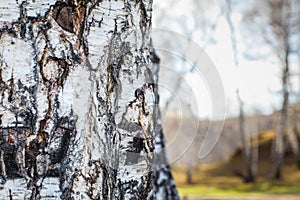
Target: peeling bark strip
78 103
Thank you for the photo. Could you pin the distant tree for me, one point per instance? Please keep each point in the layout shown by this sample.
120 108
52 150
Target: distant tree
277 23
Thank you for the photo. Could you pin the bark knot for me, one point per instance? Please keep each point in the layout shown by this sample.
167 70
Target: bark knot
67 16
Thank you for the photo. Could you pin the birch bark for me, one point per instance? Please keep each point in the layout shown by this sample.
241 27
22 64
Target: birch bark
164 186
78 104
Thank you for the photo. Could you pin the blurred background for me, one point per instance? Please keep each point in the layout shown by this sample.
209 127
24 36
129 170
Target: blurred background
230 82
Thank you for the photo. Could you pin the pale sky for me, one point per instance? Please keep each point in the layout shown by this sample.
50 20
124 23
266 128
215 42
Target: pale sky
258 80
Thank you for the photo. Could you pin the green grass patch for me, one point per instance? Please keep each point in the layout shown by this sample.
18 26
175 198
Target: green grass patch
240 189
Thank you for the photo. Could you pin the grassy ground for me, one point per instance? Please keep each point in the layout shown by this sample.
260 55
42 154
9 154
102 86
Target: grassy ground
218 181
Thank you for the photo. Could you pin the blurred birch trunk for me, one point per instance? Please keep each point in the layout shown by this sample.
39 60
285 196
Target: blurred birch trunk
164 185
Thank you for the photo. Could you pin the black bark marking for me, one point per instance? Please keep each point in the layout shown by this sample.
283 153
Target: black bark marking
12 141
150 145
71 18
31 152
65 15
153 56
105 181
138 144
140 96
10 162
145 186
10 195
11 88
23 30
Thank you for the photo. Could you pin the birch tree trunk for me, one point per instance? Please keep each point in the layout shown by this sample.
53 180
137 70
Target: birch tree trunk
280 140
164 185
249 152
78 101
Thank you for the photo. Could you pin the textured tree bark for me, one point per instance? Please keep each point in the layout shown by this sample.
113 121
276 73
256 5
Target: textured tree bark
79 102
164 185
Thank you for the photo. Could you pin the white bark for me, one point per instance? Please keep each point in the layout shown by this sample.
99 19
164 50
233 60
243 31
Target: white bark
164 185
78 111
